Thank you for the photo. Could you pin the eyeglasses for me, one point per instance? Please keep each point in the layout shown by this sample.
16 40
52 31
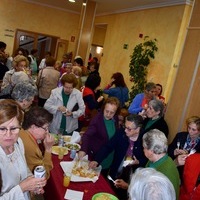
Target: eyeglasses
129 129
44 128
13 130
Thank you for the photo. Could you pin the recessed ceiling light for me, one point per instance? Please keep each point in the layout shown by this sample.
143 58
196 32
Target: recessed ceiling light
84 2
73 1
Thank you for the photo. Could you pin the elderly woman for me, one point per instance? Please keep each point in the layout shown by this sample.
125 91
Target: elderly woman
66 104
140 102
35 133
155 149
101 129
19 73
127 145
23 93
184 142
16 177
154 117
148 183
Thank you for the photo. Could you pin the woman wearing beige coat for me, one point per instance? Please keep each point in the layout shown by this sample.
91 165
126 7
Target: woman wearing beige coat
47 80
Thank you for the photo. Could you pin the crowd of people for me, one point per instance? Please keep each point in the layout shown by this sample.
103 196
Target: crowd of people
129 141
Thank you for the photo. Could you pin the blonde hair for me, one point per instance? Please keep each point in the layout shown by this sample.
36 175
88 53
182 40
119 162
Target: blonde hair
77 70
17 59
195 120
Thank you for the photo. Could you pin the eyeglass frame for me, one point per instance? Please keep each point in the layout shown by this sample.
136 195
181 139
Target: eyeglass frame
45 129
10 130
129 129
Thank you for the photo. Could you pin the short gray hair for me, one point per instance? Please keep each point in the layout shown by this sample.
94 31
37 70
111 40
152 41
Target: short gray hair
23 91
157 106
148 184
156 141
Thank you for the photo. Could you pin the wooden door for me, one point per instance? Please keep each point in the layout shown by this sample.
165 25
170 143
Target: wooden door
61 48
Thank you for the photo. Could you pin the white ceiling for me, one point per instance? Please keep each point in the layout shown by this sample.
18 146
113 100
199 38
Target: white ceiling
109 6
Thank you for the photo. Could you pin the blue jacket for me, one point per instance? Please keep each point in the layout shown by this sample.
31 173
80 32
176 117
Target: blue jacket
119 92
119 143
136 105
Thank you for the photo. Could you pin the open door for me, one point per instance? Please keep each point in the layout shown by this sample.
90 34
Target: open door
30 40
61 48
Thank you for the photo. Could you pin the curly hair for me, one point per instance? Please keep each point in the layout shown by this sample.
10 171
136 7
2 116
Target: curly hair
23 91
19 58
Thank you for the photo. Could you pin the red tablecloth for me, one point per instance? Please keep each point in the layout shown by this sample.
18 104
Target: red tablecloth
55 190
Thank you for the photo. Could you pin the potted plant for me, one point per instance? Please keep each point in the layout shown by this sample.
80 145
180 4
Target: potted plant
140 59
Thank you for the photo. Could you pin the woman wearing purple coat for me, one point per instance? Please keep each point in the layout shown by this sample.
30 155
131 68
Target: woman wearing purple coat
101 129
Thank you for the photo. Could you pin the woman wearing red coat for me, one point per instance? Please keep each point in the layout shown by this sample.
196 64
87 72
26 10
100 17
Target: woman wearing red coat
190 190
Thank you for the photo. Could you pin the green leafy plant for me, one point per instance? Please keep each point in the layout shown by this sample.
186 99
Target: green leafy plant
140 59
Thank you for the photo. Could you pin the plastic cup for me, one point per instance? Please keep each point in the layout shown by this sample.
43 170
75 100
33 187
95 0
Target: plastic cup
61 153
66 179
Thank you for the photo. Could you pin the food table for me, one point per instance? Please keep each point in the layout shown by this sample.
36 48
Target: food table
55 189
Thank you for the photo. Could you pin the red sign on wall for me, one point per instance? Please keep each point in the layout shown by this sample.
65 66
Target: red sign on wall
72 38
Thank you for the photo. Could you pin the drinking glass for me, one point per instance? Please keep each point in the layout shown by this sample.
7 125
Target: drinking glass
66 179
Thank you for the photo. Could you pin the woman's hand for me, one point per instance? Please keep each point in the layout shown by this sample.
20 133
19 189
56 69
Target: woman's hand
100 99
93 164
81 154
62 109
48 142
33 184
135 161
120 183
180 160
179 152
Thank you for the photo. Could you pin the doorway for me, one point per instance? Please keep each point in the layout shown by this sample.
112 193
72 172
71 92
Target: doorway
43 43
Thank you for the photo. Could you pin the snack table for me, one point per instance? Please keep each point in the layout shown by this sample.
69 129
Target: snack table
55 189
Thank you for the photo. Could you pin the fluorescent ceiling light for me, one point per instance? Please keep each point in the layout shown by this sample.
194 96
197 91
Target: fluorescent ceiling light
73 1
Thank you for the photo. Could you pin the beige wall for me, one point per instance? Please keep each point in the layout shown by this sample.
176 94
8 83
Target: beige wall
185 98
16 14
164 24
99 35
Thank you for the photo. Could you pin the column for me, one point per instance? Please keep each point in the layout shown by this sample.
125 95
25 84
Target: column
185 98
86 22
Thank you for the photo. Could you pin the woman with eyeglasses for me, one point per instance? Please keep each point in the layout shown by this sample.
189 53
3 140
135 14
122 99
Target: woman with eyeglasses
128 153
36 138
17 179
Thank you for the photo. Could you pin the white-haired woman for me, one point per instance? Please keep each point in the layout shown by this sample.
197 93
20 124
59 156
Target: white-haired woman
155 146
154 117
148 184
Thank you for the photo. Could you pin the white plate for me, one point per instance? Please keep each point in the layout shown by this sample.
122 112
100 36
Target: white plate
67 138
75 146
67 166
55 150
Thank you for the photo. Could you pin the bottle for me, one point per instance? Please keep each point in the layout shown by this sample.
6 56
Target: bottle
73 153
61 141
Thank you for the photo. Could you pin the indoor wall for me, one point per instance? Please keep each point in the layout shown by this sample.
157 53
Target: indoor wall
18 14
168 25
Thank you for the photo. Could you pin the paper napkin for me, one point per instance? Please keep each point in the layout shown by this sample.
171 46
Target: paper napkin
73 195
